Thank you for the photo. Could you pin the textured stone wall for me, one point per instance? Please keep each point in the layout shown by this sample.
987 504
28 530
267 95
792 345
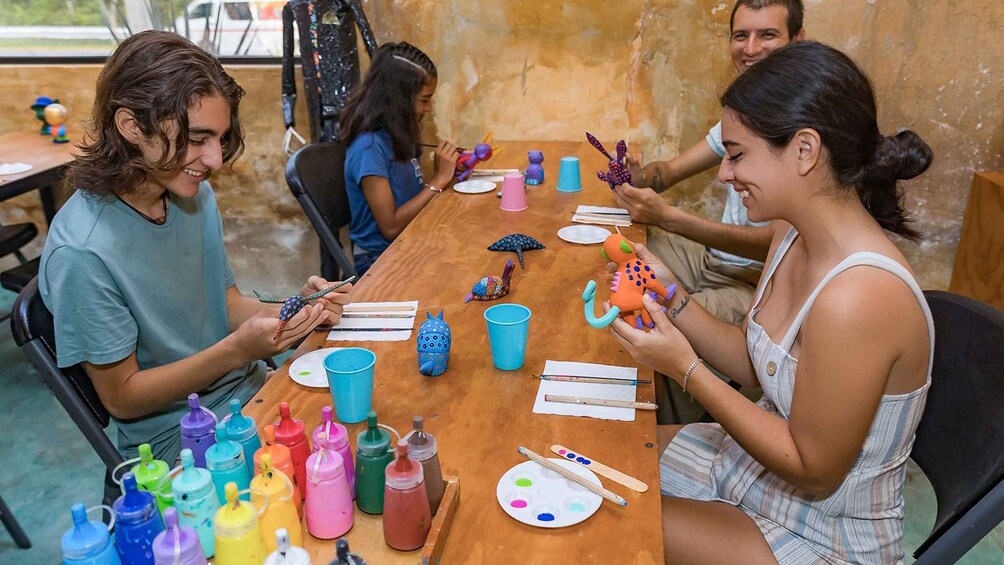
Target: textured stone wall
645 70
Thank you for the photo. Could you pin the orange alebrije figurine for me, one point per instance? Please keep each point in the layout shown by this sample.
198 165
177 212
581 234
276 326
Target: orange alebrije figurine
632 280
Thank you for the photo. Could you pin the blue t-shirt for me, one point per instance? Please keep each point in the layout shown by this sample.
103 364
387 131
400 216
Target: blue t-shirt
371 154
117 284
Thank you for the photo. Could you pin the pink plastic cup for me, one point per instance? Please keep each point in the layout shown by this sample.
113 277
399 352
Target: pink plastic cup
513 193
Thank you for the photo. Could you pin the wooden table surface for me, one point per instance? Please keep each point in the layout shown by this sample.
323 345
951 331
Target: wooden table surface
48 162
478 414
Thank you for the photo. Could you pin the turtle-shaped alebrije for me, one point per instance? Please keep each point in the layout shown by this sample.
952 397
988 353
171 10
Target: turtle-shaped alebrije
517 243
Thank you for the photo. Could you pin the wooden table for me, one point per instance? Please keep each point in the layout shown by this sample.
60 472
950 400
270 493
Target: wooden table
48 160
480 415
978 271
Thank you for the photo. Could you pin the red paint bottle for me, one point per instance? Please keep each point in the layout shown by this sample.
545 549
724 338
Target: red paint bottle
406 515
292 433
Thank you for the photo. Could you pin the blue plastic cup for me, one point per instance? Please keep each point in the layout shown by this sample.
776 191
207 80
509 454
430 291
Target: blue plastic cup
568 175
508 326
350 377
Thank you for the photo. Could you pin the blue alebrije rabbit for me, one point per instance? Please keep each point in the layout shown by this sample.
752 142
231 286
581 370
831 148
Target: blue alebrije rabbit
433 346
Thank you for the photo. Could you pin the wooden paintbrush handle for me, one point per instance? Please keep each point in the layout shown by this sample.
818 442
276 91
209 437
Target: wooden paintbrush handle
601 402
600 469
551 465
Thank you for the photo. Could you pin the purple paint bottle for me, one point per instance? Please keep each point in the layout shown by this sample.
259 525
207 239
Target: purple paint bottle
198 430
177 545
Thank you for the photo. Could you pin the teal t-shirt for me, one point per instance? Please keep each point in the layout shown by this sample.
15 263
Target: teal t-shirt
117 284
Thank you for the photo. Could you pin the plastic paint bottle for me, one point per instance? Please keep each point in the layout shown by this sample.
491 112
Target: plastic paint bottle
328 507
150 476
422 448
292 433
225 461
243 430
196 500
198 429
338 440
177 545
88 542
406 515
238 533
281 461
137 523
275 487
343 557
373 453
286 553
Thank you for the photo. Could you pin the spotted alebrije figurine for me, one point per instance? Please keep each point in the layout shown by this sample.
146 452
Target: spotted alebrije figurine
632 280
618 172
492 287
517 243
535 172
433 346
295 303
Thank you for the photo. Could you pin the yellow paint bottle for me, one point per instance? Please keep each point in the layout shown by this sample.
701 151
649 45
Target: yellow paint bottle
274 486
238 532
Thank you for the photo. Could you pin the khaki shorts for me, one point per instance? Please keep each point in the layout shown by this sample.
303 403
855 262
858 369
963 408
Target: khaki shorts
724 290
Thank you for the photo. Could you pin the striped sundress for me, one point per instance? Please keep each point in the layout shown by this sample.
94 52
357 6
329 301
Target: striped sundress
859 522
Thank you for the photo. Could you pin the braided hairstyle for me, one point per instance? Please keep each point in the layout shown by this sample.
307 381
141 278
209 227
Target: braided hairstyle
386 98
810 85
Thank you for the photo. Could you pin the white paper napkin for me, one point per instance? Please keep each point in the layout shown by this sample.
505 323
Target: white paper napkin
405 324
589 390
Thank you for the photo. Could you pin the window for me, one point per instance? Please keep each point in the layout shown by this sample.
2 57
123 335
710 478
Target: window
56 28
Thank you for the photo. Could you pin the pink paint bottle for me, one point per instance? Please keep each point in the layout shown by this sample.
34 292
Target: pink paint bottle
338 440
328 507
406 515
292 433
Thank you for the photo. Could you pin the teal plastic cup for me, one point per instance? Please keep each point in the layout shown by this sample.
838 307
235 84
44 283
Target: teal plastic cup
508 326
350 377
569 179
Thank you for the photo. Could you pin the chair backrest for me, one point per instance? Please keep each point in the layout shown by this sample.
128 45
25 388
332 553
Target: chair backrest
315 175
960 440
34 332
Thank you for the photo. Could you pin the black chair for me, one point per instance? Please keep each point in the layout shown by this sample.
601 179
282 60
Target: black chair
10 522
34 333
12 239
960 440
315 177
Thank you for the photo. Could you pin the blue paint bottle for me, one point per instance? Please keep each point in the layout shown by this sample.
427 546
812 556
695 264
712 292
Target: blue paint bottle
137 523
243 430
196 500
88 542
225 461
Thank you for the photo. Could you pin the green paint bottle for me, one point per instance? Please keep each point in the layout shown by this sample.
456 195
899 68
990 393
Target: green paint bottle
151 476
373 454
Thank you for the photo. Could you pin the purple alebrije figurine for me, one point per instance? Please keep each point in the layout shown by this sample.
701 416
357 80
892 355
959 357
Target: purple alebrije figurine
469 159
433 346
618 172
492 287
535 172
517 243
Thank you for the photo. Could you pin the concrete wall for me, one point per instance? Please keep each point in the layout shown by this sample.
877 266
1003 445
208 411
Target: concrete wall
648 71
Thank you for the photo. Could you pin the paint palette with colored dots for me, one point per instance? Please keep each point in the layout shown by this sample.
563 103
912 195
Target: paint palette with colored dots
308 369
540 497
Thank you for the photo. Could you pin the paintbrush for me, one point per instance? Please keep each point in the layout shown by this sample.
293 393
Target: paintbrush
353 308
375 315
594 380
552 466
601 402
599 468
364 329
628 214
437 147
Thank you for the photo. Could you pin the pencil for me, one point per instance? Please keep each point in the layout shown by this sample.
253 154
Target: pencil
601 402
552 466
594 380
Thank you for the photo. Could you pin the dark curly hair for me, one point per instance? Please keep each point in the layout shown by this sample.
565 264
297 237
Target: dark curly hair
158 76
386 98
810 85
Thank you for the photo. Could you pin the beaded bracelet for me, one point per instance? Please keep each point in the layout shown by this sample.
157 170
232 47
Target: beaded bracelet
686 376
433 188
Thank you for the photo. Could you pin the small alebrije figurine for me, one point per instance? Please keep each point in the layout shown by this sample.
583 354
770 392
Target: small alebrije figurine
469 159
39 107
492 287
342 555
517 243
618 173
632 280
295 303
535 172
56 116
433 346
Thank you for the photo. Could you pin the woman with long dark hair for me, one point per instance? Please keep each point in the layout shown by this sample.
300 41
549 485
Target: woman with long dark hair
381 126
839 336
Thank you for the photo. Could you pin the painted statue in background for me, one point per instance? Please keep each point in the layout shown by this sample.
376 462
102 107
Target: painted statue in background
327 31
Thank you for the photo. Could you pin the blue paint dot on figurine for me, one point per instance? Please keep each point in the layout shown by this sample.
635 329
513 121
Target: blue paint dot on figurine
433 345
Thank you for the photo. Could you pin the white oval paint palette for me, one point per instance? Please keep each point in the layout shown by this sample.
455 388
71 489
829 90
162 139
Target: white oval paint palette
539 497
308 369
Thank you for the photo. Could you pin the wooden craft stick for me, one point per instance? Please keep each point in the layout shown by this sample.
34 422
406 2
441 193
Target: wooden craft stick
601 402
594 380
601 469
351 314
552 466
603 218
350 309
493 172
